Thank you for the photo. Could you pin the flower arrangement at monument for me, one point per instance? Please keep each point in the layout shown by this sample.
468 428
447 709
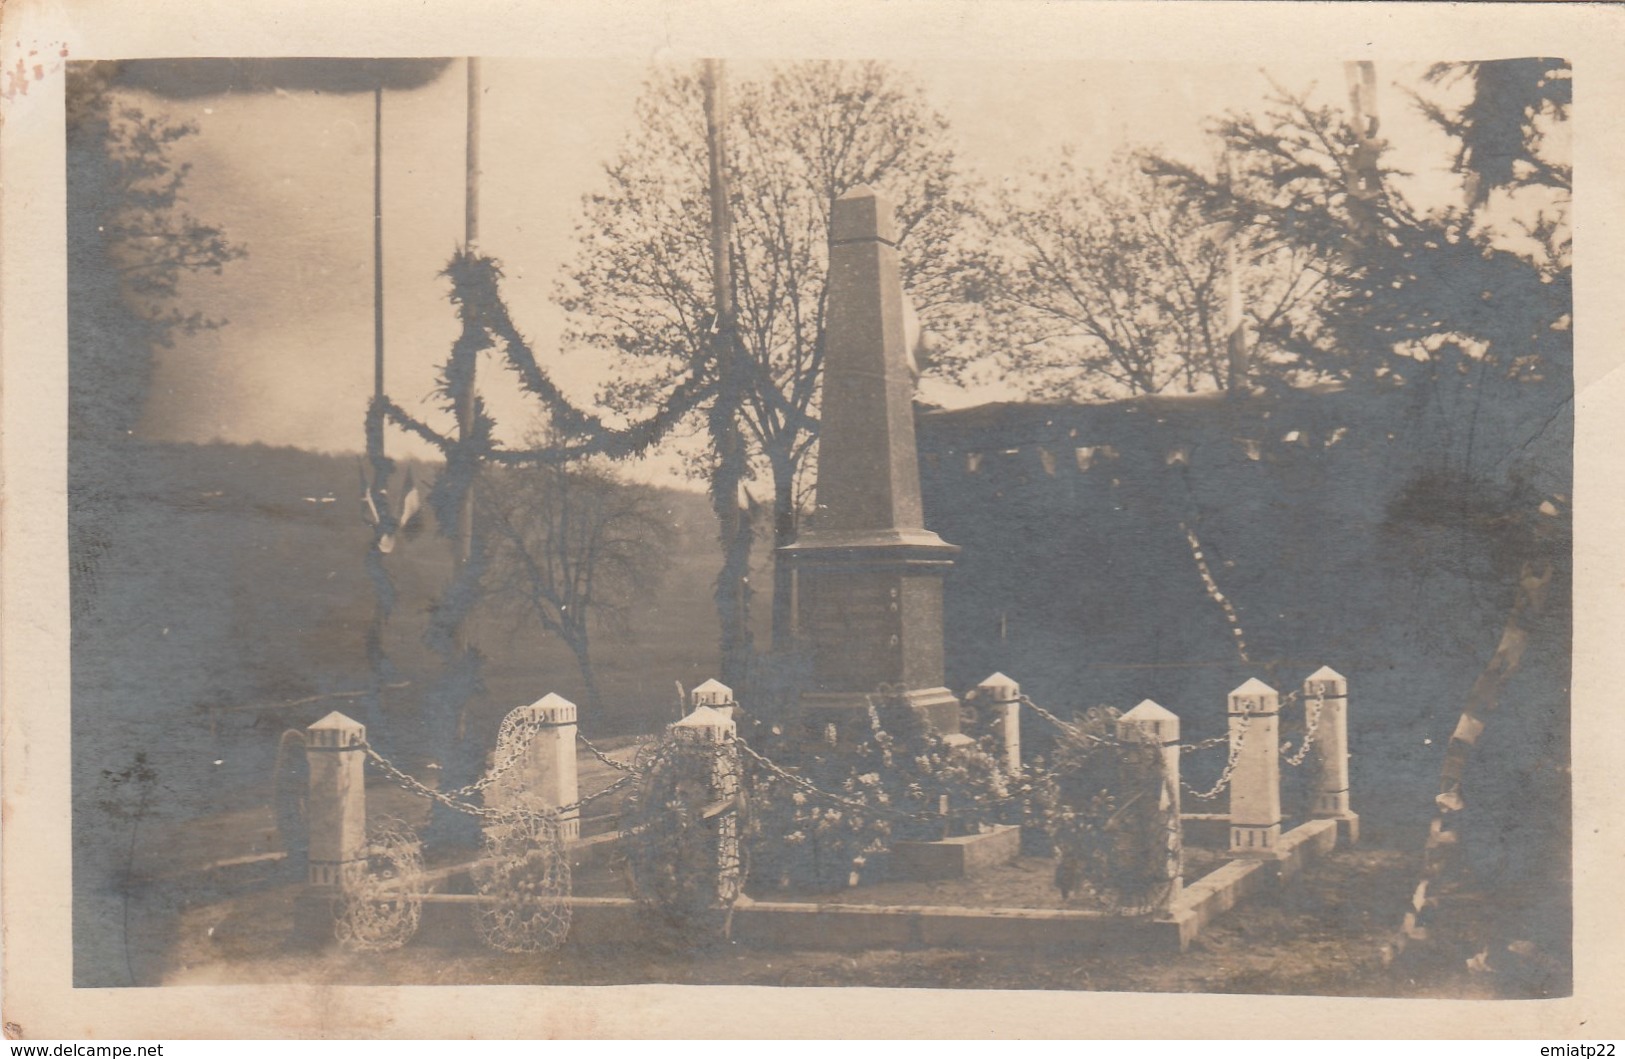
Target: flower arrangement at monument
892 787
797 843
669 853
1094 800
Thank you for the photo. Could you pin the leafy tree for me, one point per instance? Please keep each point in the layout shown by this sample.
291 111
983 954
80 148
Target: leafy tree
1508 128
131 243
1457 324
1465 311
572 548
640 287
1113 283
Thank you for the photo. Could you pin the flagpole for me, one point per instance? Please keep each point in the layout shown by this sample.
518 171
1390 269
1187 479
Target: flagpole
378 252
374 496
1235 321
464 410
471 210
471 235
1365 177
716 108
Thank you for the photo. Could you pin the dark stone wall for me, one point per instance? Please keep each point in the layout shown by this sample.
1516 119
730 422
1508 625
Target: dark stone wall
1337 535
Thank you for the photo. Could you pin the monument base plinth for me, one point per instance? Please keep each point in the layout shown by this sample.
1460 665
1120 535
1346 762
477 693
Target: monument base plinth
870 608
955 858
848 711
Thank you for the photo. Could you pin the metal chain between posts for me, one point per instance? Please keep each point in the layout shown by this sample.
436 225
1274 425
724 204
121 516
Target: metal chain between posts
1229 766
522 880
1208 744
1074 730
509 752
1310 725
1069 729
593 797
415 786
513 739
448 799
602 756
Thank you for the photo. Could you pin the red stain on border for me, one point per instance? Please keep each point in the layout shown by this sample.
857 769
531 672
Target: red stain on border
31 68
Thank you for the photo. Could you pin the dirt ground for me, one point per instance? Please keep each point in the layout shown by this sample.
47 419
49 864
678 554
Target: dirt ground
1026 882
1320 936
211 902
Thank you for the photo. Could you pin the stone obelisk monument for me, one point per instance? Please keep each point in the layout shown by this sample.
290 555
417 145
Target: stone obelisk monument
868 572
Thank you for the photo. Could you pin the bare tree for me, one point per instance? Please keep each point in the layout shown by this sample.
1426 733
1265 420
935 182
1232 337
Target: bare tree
572 549
799 136
1110 283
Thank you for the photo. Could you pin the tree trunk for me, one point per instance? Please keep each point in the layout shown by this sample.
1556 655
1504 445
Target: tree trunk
580 648
733 587
732 590
784 532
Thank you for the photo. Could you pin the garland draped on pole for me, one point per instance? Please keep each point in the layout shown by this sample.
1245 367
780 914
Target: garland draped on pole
475 282
487 325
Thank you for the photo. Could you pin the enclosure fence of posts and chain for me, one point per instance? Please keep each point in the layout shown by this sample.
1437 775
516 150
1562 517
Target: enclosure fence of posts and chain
705 814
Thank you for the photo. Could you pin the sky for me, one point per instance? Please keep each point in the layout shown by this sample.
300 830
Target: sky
288 174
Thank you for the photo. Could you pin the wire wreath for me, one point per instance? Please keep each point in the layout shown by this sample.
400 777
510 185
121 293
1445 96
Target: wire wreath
1141 854
377 910
523 881
681 828
290 784
1112 815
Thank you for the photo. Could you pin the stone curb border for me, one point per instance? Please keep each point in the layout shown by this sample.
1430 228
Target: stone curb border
851 927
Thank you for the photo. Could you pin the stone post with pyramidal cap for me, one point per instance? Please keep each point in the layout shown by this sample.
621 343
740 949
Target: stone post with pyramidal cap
535 763
549 765
336 808
868 572
709 728
1328 690
1255 782
1150 726
1000 697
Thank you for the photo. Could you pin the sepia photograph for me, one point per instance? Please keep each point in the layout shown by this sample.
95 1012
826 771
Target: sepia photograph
710 517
